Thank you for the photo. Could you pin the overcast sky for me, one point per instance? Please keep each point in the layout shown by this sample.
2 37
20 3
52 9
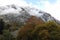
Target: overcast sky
50 6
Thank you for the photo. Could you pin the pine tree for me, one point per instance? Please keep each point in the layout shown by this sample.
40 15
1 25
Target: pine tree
1 26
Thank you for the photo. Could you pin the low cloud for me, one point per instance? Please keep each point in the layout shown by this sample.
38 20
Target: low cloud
17 2
9 2
53 9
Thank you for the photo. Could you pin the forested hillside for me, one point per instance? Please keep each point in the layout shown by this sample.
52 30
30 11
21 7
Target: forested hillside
34 29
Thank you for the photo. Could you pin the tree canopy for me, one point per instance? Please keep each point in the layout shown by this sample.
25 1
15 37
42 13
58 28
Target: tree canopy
47 31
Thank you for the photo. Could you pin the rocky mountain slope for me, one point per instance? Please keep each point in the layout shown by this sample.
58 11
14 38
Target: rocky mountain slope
14 13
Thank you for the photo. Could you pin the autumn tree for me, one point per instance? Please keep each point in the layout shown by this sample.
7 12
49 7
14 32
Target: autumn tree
46 31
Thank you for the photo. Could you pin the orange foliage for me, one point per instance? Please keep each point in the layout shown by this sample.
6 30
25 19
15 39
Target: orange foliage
35 20
29 26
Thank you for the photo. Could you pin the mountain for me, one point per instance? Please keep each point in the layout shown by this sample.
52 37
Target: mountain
17 16
14 13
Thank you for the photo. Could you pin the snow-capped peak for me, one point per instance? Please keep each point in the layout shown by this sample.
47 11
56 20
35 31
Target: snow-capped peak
17 9
17 13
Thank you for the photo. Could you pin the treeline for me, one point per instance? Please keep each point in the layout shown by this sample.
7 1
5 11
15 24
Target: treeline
46 31
32 31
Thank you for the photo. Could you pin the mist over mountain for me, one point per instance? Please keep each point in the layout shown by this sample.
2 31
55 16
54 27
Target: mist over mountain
14 13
